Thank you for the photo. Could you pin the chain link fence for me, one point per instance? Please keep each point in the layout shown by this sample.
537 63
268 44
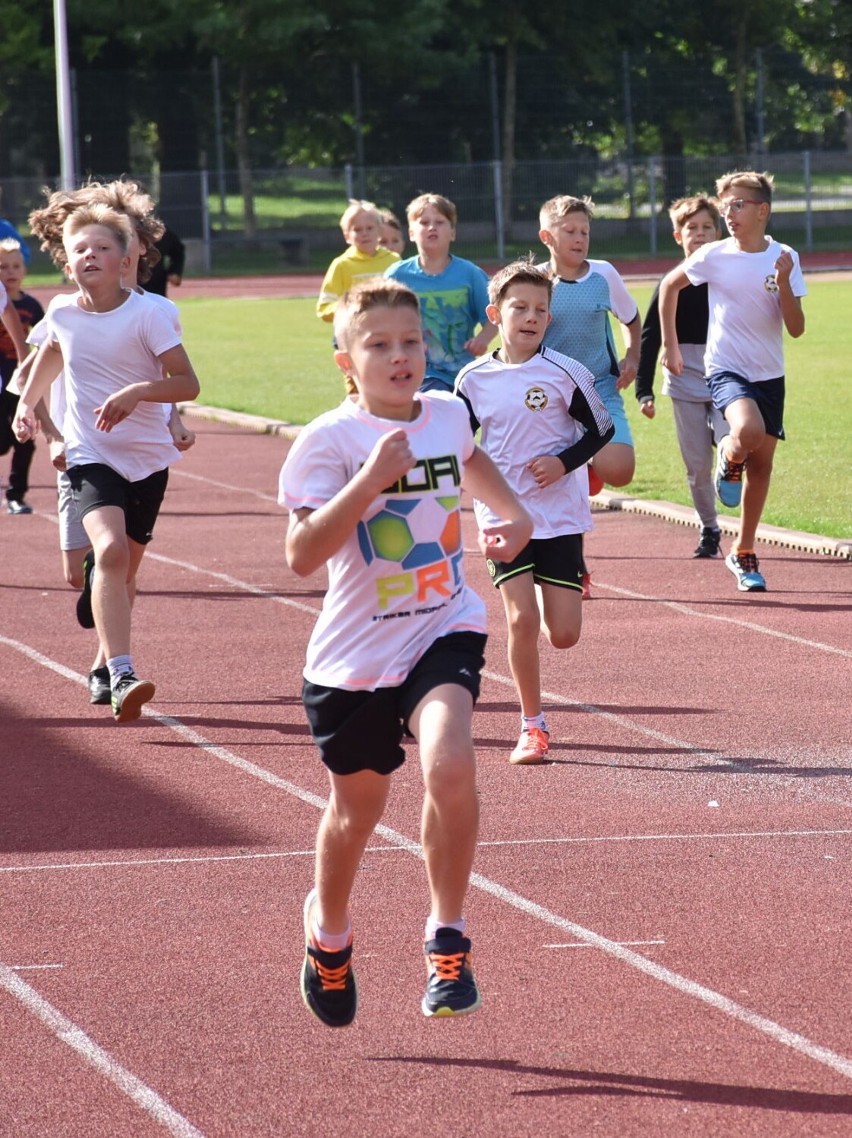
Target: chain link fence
293 212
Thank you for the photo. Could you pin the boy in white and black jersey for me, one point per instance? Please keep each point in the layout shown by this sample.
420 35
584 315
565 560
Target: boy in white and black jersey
542 420
373 488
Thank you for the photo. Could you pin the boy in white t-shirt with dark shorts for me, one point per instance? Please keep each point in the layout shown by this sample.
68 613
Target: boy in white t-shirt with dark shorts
542 421
755 286
122 359
373 489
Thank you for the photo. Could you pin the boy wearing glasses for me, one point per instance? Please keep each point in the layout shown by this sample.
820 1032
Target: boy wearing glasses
755 286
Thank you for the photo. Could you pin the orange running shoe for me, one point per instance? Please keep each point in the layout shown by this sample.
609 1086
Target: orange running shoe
587 586
328 982
532 747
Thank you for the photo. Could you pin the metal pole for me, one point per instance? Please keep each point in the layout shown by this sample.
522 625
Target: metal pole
498 210
220 145
652 195
495 105
63 97
759 98
628 129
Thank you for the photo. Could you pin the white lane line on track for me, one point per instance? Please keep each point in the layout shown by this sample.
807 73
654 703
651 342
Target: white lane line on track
204 859
582 944
682 984
72 1035
687 610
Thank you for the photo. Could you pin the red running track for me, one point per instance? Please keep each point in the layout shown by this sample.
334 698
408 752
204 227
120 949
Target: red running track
661 915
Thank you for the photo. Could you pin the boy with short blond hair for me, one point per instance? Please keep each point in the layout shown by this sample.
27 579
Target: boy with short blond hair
453 292
13 269
698 425
541 422
755 286
373 488
122 358
361 225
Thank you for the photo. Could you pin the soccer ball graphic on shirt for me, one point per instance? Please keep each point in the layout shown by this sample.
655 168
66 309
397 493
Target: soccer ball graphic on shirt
412 532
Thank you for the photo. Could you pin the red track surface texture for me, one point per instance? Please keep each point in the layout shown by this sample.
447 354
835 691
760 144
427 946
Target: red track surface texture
661 915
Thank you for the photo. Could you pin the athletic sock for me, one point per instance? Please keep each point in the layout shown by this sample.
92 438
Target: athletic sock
529 721
331 942
118 666
432 927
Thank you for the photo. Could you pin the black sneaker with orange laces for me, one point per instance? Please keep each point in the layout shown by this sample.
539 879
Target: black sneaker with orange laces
328 982
451 989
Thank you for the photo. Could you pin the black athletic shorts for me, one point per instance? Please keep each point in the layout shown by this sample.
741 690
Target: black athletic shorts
551 560
94 485
363 730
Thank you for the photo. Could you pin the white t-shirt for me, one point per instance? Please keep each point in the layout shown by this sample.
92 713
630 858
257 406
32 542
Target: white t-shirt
524 411
104 352
397 583
39 333
745 334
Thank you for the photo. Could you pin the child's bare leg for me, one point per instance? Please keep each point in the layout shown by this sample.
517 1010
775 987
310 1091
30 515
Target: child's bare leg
355 807
563 615
615 464
101 656
523 622
441 723
72 566
747 429
105 527
755 490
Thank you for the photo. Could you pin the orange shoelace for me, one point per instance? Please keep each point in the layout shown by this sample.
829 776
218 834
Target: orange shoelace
448 967
332 979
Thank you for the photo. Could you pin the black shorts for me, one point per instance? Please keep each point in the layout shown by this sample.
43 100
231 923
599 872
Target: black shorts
551 560
94 485
726 387
363 730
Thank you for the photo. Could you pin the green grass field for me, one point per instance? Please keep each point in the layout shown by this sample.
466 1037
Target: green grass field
273 358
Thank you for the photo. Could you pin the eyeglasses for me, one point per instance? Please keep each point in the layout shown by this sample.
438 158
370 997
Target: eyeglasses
737 205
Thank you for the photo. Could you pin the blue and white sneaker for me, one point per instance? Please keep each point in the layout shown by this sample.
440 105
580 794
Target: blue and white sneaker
744 567
729 478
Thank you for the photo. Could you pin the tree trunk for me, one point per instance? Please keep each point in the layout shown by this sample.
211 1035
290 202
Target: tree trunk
243 158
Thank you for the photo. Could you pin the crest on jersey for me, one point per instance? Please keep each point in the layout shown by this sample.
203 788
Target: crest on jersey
770 283
536 399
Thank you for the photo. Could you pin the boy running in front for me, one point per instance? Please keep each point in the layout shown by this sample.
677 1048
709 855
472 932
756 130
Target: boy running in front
373 489
542 420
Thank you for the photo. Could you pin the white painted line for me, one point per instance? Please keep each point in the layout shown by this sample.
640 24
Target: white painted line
689 837
180 473
583 944
752 626
132 863
33 967
72 1035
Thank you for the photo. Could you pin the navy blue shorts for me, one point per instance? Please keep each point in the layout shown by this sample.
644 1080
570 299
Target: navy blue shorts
363 730
551 560
94 485
726 387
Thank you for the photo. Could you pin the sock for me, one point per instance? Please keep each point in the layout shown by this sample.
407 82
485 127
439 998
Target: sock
332 942
432 927
118 667
528 721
